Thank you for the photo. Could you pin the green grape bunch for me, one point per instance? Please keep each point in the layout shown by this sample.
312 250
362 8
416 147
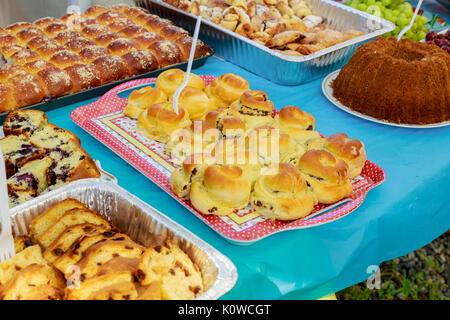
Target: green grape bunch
399 12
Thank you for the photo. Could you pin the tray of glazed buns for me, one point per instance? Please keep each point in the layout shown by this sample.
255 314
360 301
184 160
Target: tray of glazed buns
243 167
92 240
300 40
54 62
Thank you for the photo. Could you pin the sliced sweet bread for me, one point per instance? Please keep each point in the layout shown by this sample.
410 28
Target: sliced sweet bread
18 197
118 264
17 151
21 243
113 286
51 136
68 237
71 162
70 218
32 176
31 283
51 215
149 292
104 251
76 251
179 277
24 122
30 255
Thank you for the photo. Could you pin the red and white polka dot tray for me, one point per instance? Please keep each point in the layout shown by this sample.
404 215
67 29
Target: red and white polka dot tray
105 121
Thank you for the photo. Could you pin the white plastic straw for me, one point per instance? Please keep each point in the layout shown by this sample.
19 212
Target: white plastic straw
73 7
176 96
400 35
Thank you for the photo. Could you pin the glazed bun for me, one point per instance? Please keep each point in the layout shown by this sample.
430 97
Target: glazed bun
230 126
159 121
191 171
54 28
141 99
65 58
111 68
104 39
22 57
255 108
92 31
122 46
27 89
147 38
83 76
171 79
16 27
9 50
222 190
282 194
29 33
131 31
56 82
185 44
140 61
91 53
327 176
7 99
167 53
227 88
196 102
43 22
339 145
38 65
67 35
78 44
293 117
199 137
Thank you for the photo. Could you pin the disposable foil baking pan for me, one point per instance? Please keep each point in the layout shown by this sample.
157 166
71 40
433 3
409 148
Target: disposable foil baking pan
141 222
271 64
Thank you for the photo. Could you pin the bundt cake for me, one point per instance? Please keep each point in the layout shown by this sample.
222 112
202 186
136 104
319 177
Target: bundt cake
406 82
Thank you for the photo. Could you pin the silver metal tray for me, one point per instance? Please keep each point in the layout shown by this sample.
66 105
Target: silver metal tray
271 64
141 222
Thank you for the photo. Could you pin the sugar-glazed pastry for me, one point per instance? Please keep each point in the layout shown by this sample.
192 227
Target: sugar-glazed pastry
141 99
222 190
296 123
191 171
352 151
159 121
327 176
199 137
196 102
227 88
255 108
282 193
230 126
170 80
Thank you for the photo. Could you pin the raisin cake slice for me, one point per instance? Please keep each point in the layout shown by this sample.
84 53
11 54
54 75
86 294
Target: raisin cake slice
17 151
32 176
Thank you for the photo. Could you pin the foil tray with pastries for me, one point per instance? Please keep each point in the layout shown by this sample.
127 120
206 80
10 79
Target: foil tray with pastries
92 240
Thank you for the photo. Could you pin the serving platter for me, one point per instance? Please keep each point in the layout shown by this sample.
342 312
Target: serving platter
105 121
328 92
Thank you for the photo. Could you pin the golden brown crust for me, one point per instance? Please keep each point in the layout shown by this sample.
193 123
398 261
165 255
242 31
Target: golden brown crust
56 82
104 39
140 61
91 53
121 46
92 31
227 88
111 68
65 58
27 89
166 52
79 44
171 79
83 76
29 33
7 99
24 56
292 116
54 28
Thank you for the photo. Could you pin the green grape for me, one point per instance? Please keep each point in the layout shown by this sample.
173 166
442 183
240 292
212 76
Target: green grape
396 31
421 35
395 12
370 2
387 35
348 2
362 7
423 28
379 4
423 19
414 27
402 21
386 2
410 34
354 6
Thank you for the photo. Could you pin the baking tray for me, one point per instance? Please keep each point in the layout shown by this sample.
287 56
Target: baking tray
105 121
278 67
141 222
98 91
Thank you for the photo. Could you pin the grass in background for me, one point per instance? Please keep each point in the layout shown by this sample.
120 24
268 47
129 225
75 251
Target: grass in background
419 275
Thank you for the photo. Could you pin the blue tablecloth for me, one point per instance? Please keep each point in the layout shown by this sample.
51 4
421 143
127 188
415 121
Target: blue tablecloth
405 213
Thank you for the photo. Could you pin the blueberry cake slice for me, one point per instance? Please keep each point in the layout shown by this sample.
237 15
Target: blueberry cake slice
24 122
32 176
18 150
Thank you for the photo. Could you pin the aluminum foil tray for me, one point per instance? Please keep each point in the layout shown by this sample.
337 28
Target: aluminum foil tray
280 68
141 222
